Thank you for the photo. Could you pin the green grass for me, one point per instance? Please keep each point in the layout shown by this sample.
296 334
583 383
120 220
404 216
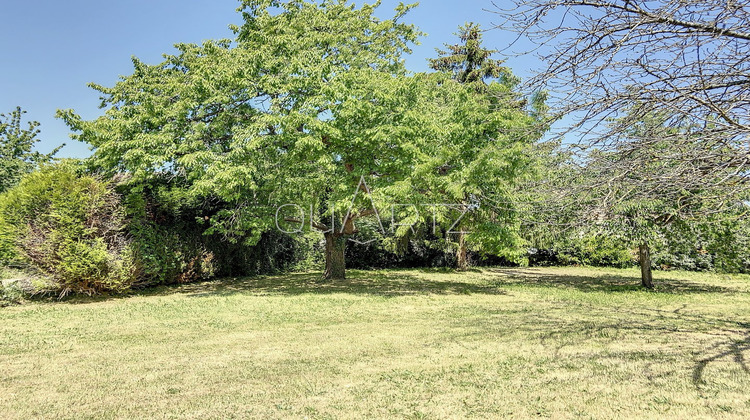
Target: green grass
551 342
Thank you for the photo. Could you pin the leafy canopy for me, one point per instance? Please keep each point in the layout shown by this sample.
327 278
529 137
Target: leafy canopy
306 100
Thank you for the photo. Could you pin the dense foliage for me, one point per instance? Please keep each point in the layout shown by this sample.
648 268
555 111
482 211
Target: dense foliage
167 231
71 228
471 64
306 117
87 235
308 122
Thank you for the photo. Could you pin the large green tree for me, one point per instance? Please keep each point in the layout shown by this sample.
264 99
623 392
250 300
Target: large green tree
470 63
307 119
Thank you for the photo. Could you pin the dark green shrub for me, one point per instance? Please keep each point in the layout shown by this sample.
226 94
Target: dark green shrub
165 251
685 251
730 246
168 231
595 250
70 227
721 246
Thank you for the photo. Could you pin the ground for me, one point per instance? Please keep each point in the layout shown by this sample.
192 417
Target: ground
533 342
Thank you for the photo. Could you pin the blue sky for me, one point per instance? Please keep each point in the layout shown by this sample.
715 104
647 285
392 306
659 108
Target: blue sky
52 49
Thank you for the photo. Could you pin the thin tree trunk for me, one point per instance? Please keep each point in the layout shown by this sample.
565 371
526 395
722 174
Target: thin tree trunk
462 259
335 263
644 257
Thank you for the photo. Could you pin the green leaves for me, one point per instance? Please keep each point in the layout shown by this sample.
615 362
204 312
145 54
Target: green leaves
16 143
71 228
487 148
309 98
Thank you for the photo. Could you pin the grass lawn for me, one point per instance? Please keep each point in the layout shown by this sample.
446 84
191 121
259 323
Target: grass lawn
534 342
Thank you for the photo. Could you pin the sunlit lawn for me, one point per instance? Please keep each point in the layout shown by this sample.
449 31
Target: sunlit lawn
537 342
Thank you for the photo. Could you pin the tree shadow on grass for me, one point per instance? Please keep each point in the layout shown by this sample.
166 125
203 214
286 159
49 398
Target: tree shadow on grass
622 334
418 282
732 345
601 282
733 340
733 348
377 283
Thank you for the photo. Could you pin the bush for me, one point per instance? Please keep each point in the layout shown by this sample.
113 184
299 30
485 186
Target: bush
168 231
70 227
595 250
165 251
730 246
91 236
721 246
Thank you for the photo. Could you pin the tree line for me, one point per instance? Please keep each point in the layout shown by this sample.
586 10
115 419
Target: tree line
311 98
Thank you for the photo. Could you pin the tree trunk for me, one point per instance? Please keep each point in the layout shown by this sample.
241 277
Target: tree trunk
645 259
462 259
335 263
